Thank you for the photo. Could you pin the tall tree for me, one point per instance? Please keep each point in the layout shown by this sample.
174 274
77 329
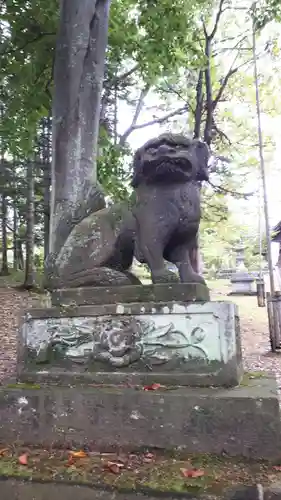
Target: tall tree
29 280
4 206
78 77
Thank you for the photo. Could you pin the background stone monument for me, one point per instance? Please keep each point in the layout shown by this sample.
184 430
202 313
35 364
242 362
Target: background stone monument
242 282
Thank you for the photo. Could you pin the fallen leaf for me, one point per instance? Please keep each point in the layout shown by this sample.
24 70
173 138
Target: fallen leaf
147 458
3 451
114 467
70 461
277 467
192 472
152 387
23 459
78 454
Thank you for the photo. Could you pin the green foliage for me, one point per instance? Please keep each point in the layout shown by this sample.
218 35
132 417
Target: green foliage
157 37
111 172
266 11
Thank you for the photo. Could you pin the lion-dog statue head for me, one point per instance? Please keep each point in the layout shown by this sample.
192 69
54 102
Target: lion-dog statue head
171 158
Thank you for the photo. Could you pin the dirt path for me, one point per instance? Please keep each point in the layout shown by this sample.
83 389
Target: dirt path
12 304
254 334
255 340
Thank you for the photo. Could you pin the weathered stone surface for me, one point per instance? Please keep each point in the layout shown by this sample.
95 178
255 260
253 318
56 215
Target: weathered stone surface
86 258
16 489
139 343
243 284
182 292
273 493
241 421
20 490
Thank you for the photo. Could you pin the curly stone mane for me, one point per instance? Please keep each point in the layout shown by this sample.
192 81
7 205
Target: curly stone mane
170 158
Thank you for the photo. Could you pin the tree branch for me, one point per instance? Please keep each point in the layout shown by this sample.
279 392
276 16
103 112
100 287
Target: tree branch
222 134
223 85
128 73
108 83
138 109
220 189
159 120
217 20
28 42
230 73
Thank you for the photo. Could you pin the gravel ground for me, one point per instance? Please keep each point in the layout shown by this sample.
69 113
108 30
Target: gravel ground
255 340
12 305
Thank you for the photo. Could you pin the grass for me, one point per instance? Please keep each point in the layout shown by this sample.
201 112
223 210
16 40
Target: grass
132 471
16 278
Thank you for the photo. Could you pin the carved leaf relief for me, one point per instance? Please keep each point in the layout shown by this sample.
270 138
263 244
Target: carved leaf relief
123 341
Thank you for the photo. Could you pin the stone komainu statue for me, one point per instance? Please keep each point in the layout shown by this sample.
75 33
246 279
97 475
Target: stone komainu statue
162 224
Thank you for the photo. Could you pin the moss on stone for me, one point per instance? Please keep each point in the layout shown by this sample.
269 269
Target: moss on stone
248 376
141 471
22 385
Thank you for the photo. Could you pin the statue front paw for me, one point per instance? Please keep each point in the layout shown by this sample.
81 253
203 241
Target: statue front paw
164 276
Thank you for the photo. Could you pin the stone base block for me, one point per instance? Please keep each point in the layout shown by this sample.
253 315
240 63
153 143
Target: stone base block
178 292
241 421
14 489
171 343
243 284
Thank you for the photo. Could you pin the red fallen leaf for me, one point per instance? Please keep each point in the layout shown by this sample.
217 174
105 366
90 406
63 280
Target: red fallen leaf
78 454
192 472
277 467
23 459
152 387
147 458
3 451
114 467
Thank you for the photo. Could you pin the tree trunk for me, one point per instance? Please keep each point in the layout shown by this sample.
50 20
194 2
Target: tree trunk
5 267
29 281
15 238
78 78
15 217
46 157
199 106
4 208
209 97
20 255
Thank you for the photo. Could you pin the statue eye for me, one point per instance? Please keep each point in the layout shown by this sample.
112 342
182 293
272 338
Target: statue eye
151 151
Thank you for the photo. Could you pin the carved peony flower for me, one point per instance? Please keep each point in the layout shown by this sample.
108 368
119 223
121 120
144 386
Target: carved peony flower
119 347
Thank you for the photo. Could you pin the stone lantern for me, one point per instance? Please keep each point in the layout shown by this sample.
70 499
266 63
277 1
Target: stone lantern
242 282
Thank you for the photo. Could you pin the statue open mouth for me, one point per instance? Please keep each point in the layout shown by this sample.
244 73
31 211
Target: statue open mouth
165 169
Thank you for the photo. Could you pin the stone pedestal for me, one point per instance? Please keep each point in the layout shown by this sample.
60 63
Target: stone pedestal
241 421
137 367
171 343
176 292
243 284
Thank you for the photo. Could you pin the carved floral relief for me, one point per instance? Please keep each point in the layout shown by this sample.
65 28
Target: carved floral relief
121 341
